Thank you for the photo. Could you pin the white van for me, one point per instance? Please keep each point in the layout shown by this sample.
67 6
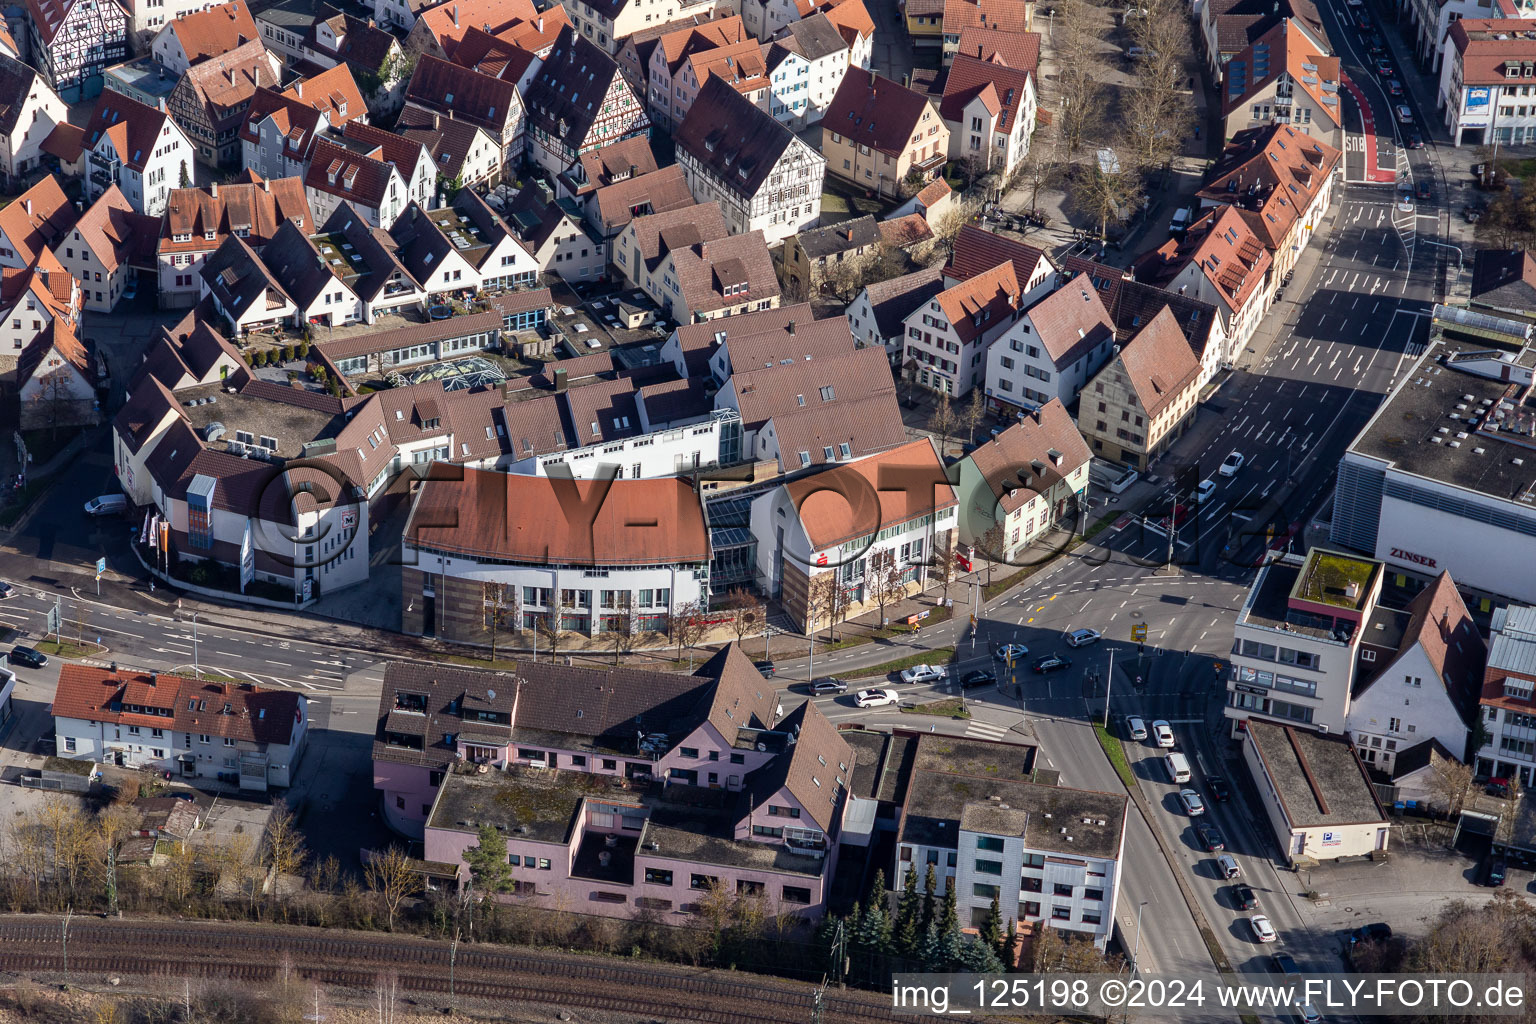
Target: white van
107 505
1178 767
1123 482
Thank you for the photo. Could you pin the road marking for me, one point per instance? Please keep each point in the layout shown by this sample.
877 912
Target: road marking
285 664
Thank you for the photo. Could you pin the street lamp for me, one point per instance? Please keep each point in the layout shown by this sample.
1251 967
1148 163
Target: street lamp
1136 953
196 672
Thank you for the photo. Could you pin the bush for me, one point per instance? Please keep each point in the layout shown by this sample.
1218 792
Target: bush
303 350
317 372
287 353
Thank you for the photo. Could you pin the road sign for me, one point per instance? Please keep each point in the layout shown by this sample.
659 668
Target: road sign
1139 632
101 566
54 617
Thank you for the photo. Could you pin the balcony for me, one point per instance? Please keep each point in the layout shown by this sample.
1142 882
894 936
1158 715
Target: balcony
932 164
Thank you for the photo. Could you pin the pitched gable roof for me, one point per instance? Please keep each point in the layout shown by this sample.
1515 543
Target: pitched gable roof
1002 88
1071 320
1159 363
1290 50
1273 174
1503 279
133 128
116 234
1442 627
92 693
297 121
17 83
214 31
894 299
981 303
494 56
976 250
253 210
37 219
147 405
1222 244
567 94
333 92
1018 50
230 79
57 336
871 110
1004 14
479 99
448 139
359 179
732 139
657 192
1132 303
448 22
1039 448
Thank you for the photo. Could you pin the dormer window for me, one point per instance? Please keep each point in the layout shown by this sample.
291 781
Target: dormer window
208 236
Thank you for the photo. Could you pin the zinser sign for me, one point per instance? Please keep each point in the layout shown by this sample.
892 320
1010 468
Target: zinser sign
1409 556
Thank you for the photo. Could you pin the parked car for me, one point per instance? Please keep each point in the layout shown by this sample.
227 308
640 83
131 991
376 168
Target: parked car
1012 652
1403 114
107 505
765 667
1244 898
980 677
28 656
1263 931
1164 733
1136 727
5 590
1052 663
1232 463
828 684
1498 787
922 674
1083 637
1285 963
1193 805
1494 871
874 698
1219 790
1378 932
1211 837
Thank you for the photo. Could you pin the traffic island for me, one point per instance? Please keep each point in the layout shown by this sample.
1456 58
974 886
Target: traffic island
950 707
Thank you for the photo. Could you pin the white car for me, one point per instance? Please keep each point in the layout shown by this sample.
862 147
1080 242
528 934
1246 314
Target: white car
874 698
1136 727
1204 491
1231 464
922 674
1164 733
1193 805
1307 1013
1262 929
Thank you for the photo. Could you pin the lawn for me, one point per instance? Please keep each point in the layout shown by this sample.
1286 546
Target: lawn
937 656
1115 751
69 649
951 707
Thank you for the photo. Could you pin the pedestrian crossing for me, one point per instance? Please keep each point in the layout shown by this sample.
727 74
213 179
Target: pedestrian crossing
986 731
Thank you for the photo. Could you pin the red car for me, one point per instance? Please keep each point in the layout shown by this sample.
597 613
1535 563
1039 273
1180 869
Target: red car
1181 514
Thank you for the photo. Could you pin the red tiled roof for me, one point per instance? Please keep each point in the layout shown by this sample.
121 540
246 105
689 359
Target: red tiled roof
1484 55
204 34
1008 15
976 250
874 111
846 501
1284 49
449 21
90 694
116 234
646 522
1030 439
970 77
133 127
1225 248
333 92
36 219
1018 50
980 303
1272 174
1071 320
1159 363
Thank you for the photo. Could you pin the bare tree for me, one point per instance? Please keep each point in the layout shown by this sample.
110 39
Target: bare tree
1451 782
394 879
548 625
623 631
747 612
842 601
937 249
493 597
285 843
1081 97
943 423
885 581
1504 831
992 547
1040 168
846 276
1107 189
55 404
819 600
689 624
116 822
975 412
942 569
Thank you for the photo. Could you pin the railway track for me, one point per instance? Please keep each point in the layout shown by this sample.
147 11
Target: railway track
256 954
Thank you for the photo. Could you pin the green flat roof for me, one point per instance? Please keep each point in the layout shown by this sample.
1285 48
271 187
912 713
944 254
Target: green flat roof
1326 576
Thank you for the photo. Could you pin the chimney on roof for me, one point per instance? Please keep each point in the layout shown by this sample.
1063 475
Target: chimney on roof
540 24
161 103
906 78
27 205
153 678
298 89
506 390
871 82
791 328
213 190
559 379
266 185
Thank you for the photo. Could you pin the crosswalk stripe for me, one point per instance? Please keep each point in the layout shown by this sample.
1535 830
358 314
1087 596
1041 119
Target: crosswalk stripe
986 730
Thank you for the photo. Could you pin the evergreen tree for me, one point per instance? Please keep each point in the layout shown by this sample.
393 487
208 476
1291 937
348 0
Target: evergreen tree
992 927
930 888
977 957
950 922
877 924
928 951
905 934
855 926
951 946
1010 950
489 871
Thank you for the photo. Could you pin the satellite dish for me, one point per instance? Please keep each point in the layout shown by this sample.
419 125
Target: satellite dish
490 694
